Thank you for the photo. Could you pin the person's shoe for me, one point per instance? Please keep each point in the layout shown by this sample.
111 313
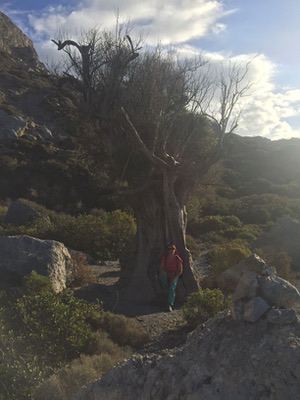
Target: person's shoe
170 308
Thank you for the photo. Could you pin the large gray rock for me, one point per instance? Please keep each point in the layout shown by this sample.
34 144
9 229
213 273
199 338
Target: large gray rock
278 292
281 316
230 278
237 310
11 126
255 308
20 255
222 360
246 287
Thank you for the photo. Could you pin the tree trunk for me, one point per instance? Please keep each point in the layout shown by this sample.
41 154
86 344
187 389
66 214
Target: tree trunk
161 219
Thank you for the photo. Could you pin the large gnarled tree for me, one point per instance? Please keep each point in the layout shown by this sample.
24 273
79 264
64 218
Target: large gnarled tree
148 111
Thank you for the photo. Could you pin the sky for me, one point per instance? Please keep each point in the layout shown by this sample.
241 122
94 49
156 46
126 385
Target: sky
225 32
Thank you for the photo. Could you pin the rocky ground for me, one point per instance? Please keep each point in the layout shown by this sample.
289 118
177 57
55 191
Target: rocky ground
166 329
223 359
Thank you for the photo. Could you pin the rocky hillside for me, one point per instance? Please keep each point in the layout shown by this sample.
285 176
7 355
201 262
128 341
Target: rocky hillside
251 353
33 104
16 44
222 360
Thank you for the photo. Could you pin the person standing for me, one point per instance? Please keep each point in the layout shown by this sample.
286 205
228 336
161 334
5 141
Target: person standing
171 267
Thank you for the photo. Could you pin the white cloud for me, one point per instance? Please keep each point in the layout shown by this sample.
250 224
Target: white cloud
269 109
266 109
169 21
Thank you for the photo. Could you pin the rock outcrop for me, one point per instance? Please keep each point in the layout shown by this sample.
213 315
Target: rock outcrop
256 288
16 44
221 360
235 356
34 104
20 255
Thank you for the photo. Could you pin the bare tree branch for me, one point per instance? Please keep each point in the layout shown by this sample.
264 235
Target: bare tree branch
138 140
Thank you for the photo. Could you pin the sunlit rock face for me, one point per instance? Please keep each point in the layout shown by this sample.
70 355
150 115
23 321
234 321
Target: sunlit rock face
15 43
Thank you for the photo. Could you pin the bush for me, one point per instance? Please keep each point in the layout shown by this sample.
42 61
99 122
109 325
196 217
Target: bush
68 381
212 223
59 327
215 224
232 220
104 235
45 330
19 370
202 305
122 330
226 255
248 233
55 325
82 273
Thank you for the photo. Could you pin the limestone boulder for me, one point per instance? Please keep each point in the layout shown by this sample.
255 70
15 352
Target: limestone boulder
230 278
278 292
255 308
237 310
20 255
246 287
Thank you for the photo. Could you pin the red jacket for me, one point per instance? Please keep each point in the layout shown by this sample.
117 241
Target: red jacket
171 264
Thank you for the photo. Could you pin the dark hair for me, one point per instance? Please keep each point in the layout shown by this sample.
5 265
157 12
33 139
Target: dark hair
171 246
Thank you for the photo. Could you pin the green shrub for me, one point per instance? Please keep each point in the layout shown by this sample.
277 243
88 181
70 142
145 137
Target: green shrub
226 255
104 235
59 327
20 371
55 325
46 330
215 223
232 220
248 232
34 283
212 223
202 305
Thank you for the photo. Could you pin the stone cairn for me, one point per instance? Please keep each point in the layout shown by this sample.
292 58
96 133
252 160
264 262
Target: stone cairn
258 291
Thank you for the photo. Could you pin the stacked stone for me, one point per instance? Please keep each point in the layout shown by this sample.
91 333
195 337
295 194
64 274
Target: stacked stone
258 291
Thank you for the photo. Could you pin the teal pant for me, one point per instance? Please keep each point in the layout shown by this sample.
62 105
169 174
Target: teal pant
171 286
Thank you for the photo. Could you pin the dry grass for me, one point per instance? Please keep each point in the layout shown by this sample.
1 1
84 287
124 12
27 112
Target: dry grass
82 272
68 381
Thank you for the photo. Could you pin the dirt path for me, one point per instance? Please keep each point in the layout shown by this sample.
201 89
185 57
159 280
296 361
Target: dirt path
166 329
